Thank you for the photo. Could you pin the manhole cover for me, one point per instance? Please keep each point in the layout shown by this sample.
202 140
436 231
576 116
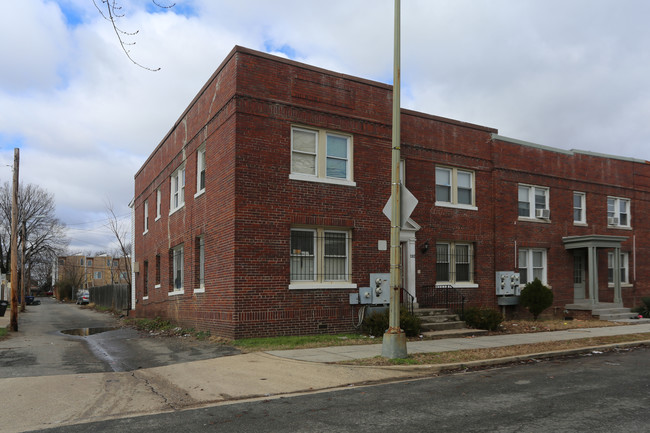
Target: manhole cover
87 331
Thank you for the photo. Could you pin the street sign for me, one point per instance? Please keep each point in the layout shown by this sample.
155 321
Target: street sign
407 205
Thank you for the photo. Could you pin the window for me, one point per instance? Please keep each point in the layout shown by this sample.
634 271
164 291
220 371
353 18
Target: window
454 187
579 208
157 280
123 275
81 262
89 262
177 199
200 264
624 268
176 256
320 256
98 275
146 216
158 203
533 202
145 279
532 264
618 212
200 170
108 262
454 262
321 155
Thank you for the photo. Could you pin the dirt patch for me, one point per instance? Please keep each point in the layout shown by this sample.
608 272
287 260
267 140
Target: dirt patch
528 326
463 356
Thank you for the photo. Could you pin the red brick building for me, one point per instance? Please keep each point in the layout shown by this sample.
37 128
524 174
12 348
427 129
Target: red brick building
260 211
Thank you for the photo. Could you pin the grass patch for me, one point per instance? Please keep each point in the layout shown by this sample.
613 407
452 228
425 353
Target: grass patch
301 342
4 332
463 356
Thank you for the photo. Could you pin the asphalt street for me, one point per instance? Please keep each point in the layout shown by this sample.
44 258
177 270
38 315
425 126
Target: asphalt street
597 392
45 344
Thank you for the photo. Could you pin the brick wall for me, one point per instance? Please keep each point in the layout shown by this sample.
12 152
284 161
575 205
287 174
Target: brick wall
244 116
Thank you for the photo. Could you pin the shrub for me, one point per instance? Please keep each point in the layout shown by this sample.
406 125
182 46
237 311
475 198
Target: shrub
644 309
377 323
536 297
483 318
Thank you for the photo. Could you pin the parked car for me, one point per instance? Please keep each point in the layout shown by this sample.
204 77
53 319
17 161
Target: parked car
83 297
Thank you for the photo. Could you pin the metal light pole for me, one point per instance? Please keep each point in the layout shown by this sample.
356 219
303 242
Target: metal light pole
394 342
14 246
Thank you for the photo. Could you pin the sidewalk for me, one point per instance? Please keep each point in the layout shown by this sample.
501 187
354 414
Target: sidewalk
347 353
100 396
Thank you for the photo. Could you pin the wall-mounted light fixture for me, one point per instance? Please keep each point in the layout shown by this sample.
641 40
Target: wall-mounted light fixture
425 247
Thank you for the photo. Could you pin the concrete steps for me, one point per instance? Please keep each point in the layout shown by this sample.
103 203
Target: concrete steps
604 311
612 314
439 319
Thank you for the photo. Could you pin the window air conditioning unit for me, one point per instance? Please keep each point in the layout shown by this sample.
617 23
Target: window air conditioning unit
543 213
612 221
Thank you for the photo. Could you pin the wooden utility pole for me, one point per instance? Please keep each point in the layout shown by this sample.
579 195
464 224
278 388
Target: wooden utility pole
14 246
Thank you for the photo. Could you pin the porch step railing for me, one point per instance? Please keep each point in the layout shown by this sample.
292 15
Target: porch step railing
407 300
443 296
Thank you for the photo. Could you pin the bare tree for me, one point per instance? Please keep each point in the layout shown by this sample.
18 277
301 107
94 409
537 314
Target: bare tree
45 235
121 229
111 10
72 276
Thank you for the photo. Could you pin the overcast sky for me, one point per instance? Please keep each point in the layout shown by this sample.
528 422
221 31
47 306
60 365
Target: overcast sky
571 74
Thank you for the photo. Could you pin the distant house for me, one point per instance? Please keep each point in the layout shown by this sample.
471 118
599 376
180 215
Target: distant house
260 211
90 271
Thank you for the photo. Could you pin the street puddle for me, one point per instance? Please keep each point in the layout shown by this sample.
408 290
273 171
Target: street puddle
84 332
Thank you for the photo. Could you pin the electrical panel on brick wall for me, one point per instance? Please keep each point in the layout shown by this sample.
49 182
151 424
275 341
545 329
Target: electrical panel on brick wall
507 283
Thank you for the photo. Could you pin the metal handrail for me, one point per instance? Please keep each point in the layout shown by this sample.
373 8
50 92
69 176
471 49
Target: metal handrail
407 300
443 296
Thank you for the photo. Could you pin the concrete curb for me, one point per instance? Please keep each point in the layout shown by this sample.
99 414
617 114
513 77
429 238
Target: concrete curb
439 368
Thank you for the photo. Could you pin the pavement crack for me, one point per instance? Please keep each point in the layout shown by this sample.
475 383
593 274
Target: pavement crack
172 396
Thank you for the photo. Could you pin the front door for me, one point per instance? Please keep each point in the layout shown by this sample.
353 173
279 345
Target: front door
579 272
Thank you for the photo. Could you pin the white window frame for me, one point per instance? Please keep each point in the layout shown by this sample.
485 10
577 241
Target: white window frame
201 258
614 217
177 190
178 264
452 263
200 168
582 208
454 188
146 217
625 268
97 275
89 262
321 157
158 203
532 206
530 266
318 279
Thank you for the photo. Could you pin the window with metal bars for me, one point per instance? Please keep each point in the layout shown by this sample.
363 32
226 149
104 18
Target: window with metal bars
319 255
454 262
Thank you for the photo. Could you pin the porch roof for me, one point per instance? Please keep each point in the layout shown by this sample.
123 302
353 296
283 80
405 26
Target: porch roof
593 241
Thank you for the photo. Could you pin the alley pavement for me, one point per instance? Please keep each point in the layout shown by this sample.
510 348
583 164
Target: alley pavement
55 401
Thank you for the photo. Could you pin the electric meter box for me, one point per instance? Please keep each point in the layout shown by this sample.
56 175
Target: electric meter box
380 286
507 283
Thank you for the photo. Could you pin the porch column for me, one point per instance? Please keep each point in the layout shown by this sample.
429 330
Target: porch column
616 264
592 259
